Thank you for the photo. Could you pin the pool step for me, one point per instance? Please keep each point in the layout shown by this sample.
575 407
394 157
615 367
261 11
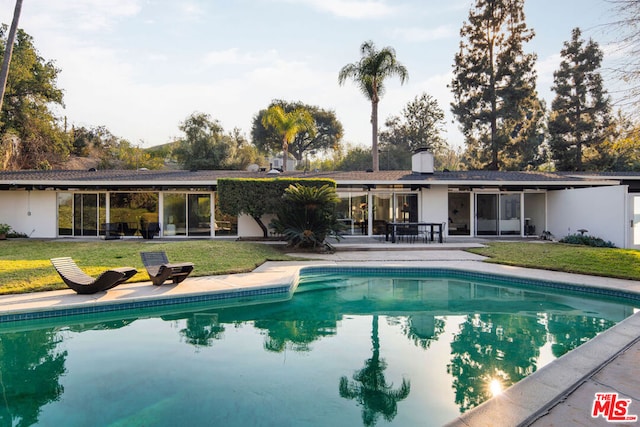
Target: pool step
314 282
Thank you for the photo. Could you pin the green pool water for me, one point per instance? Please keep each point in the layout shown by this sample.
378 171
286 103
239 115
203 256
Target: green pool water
346 350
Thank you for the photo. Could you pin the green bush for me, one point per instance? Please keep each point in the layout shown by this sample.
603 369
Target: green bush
586 240
307 216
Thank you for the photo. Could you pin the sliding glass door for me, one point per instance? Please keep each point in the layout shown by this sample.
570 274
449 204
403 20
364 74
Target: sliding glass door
498 214
187 214
89 211
487 214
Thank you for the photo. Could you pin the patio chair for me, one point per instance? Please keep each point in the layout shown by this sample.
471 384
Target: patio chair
150 229
82 283
161 270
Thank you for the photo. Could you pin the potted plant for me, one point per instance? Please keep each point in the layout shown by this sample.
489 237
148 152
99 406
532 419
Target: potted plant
4 230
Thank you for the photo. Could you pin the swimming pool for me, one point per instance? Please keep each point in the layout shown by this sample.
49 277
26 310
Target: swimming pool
353 347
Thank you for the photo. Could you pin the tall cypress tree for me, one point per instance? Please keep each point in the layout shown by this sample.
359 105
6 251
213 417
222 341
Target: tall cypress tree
580 111
494 87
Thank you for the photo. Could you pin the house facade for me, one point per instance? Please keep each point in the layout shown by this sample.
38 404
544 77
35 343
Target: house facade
84 204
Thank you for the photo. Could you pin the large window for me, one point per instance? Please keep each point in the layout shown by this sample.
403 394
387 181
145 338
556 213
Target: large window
459 214
132 212
199 214
80 214
65 214
498 214
175 214
352 211
510 213
187 214
636 220
225 225
393 207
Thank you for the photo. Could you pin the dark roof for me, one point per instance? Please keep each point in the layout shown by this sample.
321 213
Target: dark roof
184 178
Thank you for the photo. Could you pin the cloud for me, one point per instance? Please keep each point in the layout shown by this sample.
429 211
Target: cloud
190 10
233 56
546 67
416 34
83 15
351 9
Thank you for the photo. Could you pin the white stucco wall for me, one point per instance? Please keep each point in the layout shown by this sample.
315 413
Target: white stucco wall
248 227
30 212
434 202
600 210
534 209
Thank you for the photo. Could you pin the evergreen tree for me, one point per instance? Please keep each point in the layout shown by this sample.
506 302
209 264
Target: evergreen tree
420 126
580 111
494 87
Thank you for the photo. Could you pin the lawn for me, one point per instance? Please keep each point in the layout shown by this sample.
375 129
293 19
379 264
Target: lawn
618 263
25 266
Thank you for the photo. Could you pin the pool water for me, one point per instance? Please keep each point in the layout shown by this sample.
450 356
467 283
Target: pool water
346 350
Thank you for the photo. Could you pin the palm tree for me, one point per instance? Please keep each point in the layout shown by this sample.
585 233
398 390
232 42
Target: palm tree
288 125
370 388
369 74
4 71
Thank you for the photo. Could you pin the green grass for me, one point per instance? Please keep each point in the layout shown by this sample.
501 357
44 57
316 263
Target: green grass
608 262
25 266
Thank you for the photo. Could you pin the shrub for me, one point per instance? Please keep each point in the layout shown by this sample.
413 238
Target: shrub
586 240
307 216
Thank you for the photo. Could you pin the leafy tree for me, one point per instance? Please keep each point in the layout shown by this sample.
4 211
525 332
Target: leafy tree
492 346
419 126
113 152
256 197
307 215
449 159
31 136
133 157
242 152
327 135
620 151
288 125
31 366
355 159
6 60
580 111
394 157
567 332
495 98
627 68
369 75
204 146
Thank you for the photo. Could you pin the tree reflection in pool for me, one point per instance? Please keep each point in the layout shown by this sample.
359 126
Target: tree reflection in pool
347 349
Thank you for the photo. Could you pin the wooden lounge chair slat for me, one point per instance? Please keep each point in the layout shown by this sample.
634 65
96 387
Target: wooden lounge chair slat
82 283
160 269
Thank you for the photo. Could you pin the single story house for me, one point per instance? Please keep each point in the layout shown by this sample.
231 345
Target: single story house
182 204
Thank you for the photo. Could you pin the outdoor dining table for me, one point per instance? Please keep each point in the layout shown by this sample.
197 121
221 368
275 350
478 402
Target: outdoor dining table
392 229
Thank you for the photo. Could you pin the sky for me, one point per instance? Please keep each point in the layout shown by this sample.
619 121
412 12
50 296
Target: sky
141 67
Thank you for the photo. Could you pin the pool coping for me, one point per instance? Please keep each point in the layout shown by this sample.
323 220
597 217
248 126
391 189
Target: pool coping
524 403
